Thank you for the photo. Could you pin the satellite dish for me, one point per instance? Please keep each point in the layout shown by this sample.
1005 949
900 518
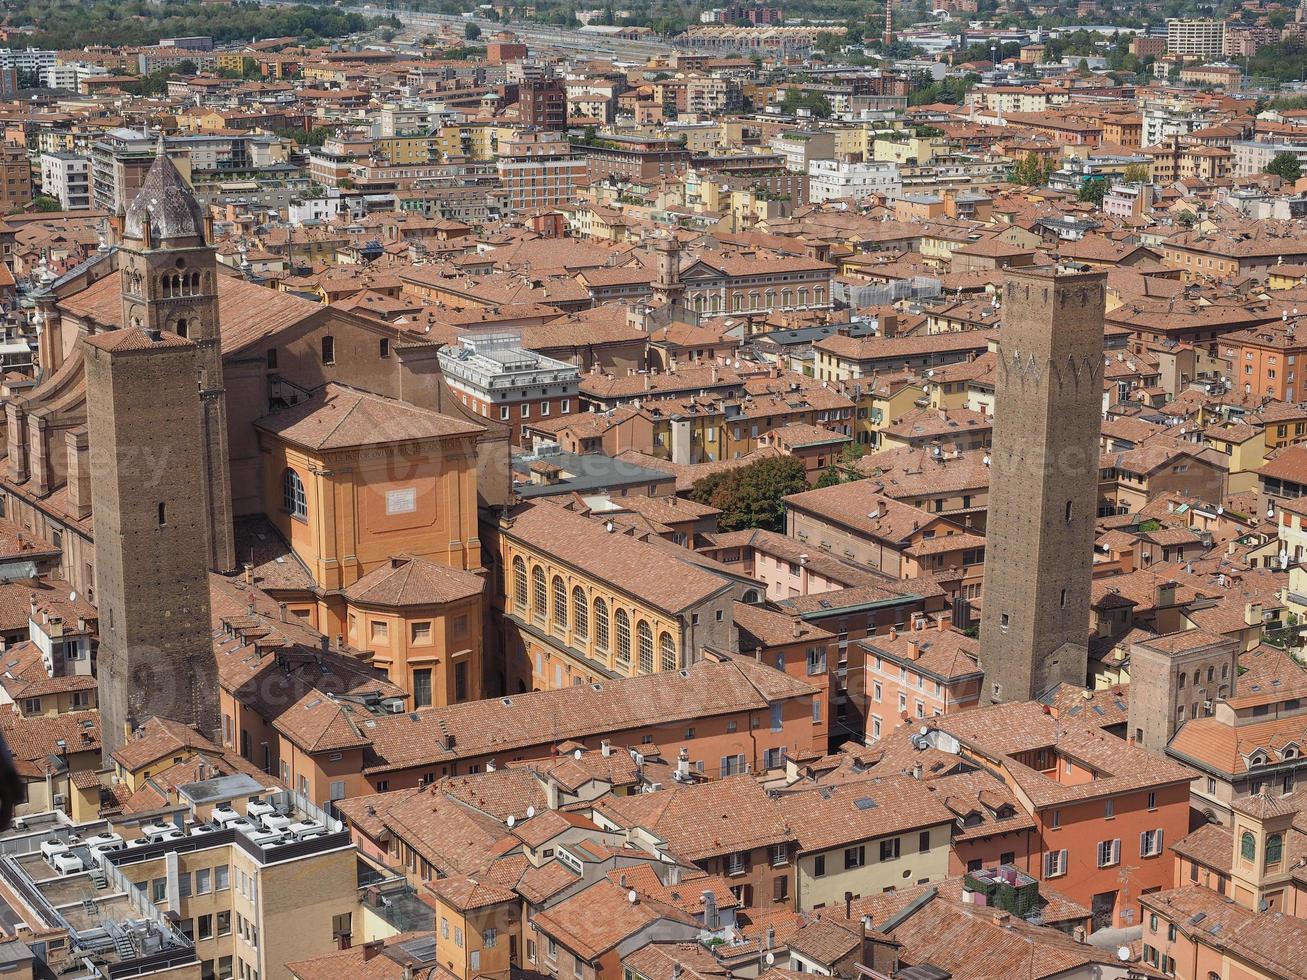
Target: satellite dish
632 897
511 820
771 958
576 754
1123 954
924 729
72 596
530 812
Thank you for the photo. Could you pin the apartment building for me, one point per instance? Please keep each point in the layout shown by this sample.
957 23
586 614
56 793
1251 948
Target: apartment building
918 674
235 880
866 837
67 178
1202 37
499 379
853 180
537 170
1099 803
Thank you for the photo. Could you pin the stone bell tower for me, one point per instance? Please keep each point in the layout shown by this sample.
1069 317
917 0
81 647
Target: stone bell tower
170 284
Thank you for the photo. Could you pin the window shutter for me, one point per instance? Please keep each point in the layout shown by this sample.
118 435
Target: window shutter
1061 861
1116 851
1143 844
726 765
740 763
1159 841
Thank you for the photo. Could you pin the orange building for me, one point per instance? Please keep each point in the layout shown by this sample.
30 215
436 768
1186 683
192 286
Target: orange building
1268 361
351 478
1104 809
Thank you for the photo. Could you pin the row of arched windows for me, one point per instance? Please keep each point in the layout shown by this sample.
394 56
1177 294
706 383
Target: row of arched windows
585 615
758 301
179 284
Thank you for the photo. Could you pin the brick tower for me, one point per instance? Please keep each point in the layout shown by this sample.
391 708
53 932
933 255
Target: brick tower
1043 488
170 284
159 485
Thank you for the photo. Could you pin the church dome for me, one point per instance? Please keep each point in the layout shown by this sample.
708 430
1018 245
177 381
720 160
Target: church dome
167 203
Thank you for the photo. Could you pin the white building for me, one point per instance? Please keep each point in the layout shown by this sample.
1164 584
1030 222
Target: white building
67 177
854 179
26 59
1200 36
69 77
1251 157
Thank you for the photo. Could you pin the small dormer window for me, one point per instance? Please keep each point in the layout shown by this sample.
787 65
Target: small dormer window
1290 752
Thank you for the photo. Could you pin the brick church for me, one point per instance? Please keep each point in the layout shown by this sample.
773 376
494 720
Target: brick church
187 428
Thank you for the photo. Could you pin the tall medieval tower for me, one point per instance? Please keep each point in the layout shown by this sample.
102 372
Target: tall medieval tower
159 477
170 284
1043 487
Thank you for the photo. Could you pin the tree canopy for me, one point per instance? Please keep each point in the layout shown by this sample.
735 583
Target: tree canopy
751 496
1285 166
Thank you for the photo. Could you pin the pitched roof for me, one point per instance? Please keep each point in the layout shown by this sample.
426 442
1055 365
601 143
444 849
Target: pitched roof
404 581
336 416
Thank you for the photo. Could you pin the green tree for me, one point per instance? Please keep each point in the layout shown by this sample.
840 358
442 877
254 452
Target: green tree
795 99
1092 190
829 477
43 202
471 31
1029 172
1285 166
752 496
1137 173
1187 218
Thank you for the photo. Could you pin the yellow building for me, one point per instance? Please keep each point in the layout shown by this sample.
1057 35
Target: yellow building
884 402
1245 445
580 609
405 149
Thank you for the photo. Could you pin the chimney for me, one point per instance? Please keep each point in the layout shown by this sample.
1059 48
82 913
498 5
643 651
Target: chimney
683 764
281 606
605 748
371 949
710 918
916 770
1252 613
888 325
408 970
914 649
848 905
1165 594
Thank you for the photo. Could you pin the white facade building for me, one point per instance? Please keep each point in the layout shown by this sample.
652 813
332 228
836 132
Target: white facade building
854 179
67 177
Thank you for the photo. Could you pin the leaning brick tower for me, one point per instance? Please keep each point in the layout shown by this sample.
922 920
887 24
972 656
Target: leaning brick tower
1043 490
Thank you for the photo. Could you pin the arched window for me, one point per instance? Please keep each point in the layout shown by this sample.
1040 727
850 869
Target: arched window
803 297
819 296
181 327
539 598
293 500
560 603
666 652
1274 849
519 583
623 637
644 640
787 298
1248 846
601 625
195 283
750 595
1225 671
580 614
